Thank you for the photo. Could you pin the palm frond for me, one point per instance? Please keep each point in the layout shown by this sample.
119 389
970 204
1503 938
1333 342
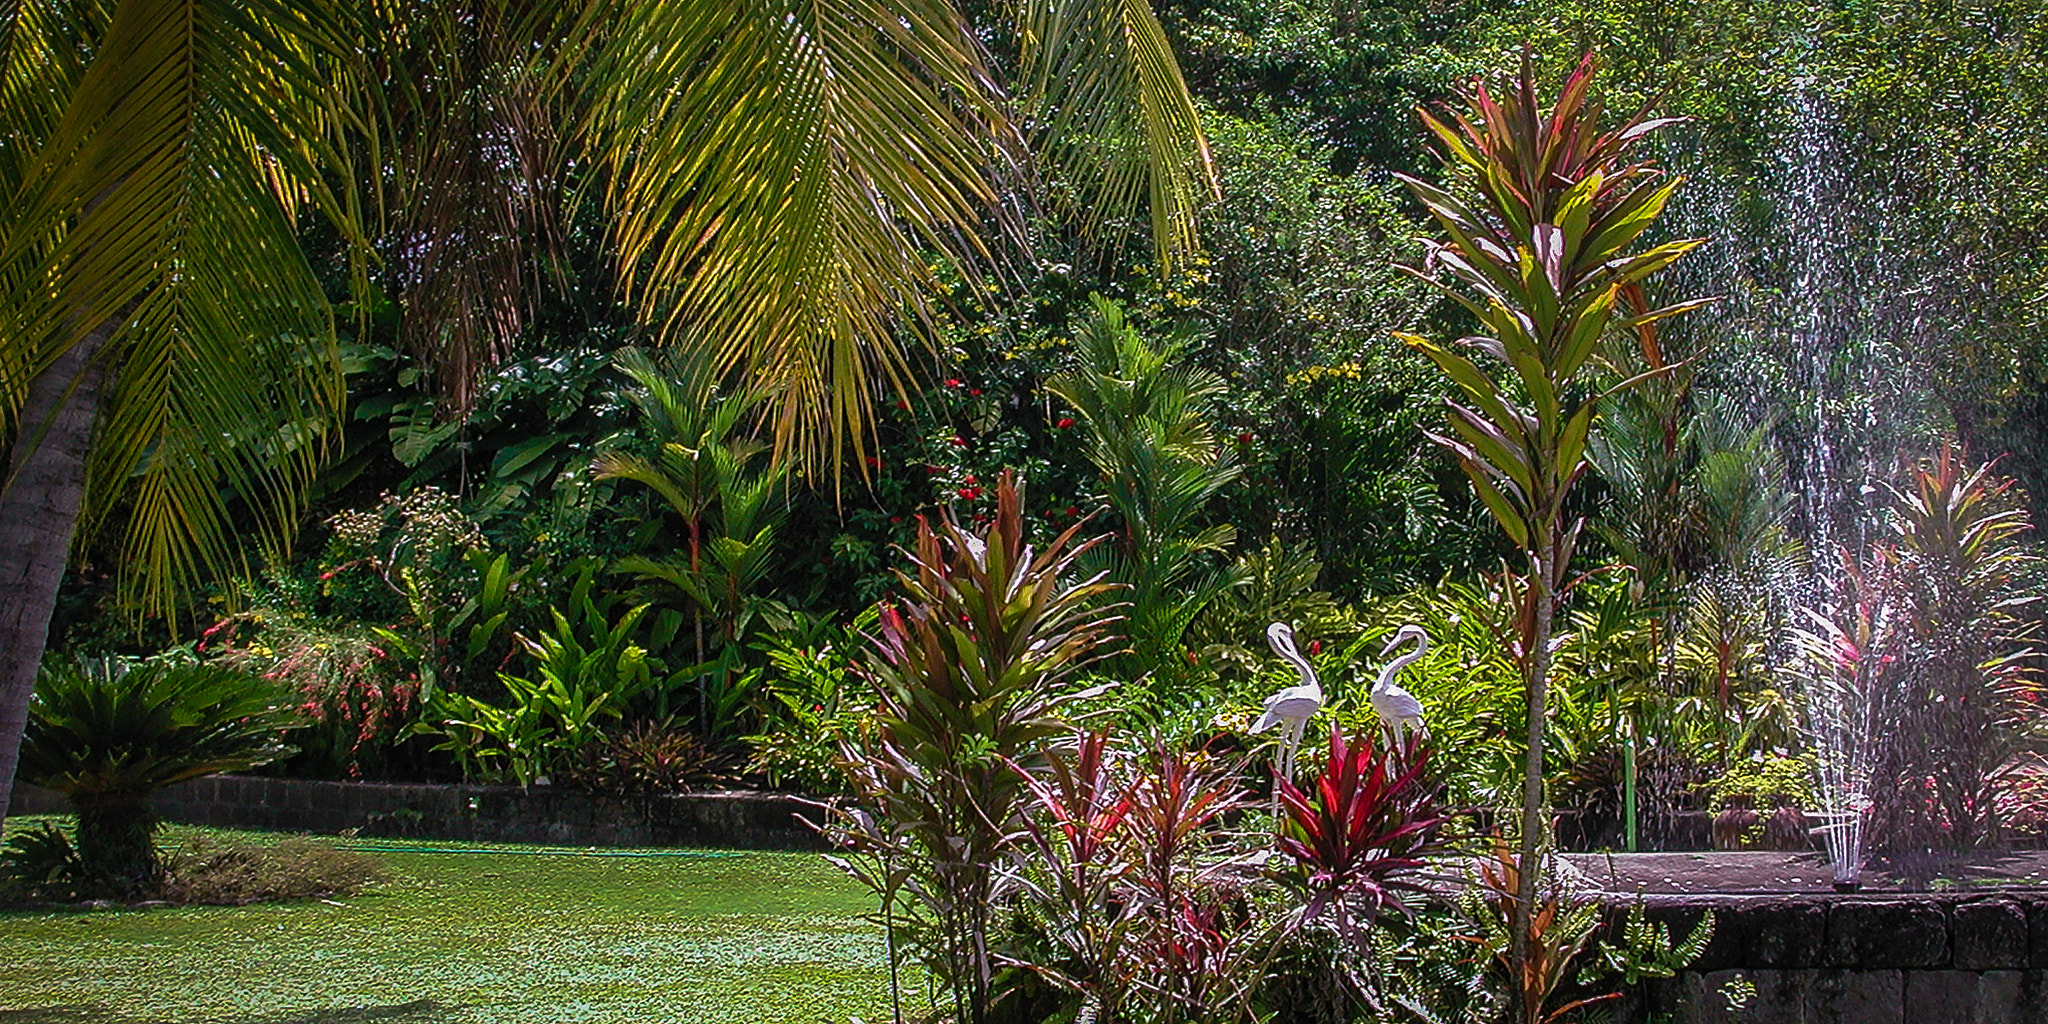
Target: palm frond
777 170
1115 120
164 200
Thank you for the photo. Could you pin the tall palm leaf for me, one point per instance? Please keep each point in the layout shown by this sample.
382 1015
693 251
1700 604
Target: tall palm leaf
777 172
165 350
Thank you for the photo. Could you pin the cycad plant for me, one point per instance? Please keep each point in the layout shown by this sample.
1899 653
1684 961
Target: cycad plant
972 673
108 735
1539 248
1146 414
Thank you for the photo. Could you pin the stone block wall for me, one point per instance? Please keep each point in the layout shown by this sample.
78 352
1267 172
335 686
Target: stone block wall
1936 958
508 814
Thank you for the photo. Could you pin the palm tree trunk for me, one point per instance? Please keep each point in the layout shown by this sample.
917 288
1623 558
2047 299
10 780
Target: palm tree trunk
39 505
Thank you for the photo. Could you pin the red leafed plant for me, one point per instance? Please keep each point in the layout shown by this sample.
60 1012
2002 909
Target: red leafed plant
1357 838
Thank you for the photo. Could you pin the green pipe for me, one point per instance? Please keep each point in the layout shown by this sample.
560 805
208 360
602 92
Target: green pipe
1628 785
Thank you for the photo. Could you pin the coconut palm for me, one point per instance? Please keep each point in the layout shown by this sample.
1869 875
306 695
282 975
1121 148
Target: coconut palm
166 352
774 176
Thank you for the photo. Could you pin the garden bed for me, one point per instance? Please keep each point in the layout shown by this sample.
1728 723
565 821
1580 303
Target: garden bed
735 819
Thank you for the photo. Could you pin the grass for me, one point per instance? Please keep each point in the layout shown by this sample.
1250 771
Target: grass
472 933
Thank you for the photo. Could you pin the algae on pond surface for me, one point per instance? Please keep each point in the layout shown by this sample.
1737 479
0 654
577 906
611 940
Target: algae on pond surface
472 935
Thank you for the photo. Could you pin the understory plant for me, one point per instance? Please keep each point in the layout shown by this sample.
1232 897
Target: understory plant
971 668
1576 956
108 734
587 673
1354 841
1148 416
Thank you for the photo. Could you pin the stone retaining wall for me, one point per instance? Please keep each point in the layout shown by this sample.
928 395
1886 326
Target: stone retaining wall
1933 958
561 817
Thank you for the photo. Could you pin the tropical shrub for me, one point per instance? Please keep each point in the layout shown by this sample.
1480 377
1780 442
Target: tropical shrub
356 691
1147 415
729 491
971 674
644 758
822 705
1354 841
1127 903
41 864
108 734
1918 666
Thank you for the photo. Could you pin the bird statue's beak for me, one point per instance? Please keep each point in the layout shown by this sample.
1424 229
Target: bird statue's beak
1392 642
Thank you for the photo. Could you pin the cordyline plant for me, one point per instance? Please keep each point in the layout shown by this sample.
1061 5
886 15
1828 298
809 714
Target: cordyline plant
1539 250
1921 667
971 671
1130 904
1355 840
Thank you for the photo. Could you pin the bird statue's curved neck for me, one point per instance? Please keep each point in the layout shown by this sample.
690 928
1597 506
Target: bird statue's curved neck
1395 666
1283 645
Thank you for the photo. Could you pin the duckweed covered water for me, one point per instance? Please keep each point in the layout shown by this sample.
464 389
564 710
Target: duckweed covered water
474 933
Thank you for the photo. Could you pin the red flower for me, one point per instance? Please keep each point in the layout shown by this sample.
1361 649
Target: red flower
974 391
952 382
970 478
1072 511
959 442
903 404
932 471
1245 438
970 493
1065 423
1315 647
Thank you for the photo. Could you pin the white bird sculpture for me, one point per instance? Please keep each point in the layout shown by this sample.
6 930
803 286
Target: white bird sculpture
1398 709
1292 706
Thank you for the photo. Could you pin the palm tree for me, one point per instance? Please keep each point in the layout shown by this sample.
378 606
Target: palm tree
108 735
165 349
774 175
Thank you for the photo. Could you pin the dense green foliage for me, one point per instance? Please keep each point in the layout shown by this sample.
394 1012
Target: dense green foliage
109 734
610 543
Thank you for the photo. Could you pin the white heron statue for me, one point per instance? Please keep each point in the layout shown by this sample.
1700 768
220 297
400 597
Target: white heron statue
1398 709
1291 706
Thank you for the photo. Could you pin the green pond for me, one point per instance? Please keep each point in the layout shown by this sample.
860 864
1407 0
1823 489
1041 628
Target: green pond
474 933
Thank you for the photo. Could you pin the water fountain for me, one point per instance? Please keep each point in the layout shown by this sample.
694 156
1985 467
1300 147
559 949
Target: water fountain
1830 299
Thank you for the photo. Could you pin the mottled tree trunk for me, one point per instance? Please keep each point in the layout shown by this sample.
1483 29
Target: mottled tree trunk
39 506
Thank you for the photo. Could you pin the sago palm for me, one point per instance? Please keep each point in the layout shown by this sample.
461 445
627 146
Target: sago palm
109 735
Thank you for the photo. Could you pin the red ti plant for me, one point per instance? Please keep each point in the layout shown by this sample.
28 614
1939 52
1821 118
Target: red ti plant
973 674
1200 956
1073 872
1119 871
1357 838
